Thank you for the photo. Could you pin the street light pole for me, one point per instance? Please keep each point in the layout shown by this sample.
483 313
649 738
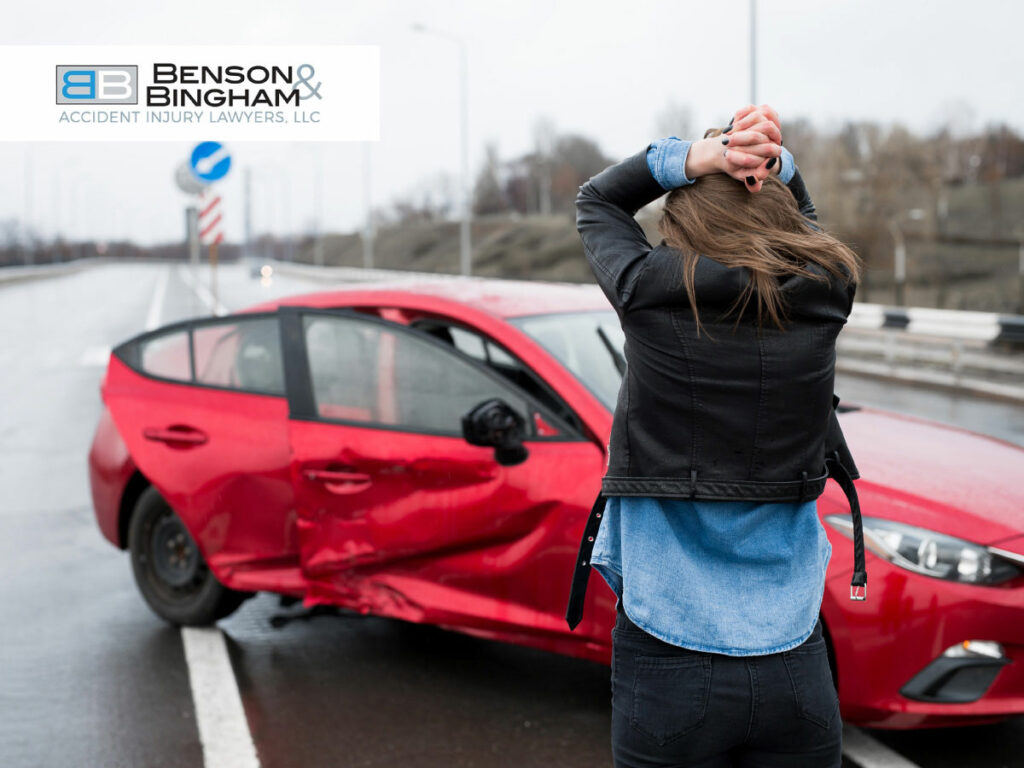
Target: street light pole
1020 271
753 51
464 238
899 262
318 207
28 253
465 245
368 230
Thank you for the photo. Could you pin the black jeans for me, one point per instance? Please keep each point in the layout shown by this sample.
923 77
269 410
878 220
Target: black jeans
675 707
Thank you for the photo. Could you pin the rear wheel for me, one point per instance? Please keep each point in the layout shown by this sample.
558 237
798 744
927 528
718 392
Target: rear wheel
169 569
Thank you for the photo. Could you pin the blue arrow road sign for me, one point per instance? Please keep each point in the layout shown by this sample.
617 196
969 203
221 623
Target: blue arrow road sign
210 161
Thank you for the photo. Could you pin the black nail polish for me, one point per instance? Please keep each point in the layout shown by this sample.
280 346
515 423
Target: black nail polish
751 180
731 119
770 163
725 140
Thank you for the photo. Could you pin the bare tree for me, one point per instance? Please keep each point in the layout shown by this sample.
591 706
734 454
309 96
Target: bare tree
488 194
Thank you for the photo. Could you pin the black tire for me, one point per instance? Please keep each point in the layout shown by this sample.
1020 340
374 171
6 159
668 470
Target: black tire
170 572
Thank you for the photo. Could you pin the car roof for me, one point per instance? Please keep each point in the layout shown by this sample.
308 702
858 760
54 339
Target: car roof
499 297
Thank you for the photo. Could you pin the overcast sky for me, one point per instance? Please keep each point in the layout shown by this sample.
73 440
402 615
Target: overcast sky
597 67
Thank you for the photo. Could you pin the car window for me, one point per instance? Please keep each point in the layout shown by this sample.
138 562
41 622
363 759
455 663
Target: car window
166 356
472 344
240 354
586 343
497 359
366 372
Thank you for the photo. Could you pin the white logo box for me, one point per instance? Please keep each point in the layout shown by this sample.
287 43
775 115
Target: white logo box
183 93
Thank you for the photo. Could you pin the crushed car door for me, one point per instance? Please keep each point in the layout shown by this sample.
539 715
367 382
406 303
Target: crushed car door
201 408
398 514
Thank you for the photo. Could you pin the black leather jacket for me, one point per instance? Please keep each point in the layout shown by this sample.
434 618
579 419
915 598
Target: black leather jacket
732 415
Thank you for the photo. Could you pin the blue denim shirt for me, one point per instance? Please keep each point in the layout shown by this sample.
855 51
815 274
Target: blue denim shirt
737 578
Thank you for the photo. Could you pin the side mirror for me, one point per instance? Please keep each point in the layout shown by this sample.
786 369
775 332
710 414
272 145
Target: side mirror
494 423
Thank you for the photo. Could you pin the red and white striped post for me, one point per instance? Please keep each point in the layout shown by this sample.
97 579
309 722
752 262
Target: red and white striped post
211 232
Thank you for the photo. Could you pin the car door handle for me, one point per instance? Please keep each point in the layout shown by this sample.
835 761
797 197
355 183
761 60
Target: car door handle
176 435
339 481
337 476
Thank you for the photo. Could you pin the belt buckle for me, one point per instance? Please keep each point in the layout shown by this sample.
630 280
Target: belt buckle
855 595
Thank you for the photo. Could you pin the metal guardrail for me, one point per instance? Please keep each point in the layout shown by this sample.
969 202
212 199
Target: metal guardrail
951 323
962 364
361 274
20 273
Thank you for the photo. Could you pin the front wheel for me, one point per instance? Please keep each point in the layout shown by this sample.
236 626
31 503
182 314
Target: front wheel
169 569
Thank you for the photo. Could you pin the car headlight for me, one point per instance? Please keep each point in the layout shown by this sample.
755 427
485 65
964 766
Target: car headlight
930 553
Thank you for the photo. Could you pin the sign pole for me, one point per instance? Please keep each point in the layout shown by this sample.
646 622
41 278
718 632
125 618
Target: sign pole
213 274
209 162
192 234
211 233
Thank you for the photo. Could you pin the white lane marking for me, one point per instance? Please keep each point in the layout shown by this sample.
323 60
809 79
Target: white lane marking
202 291
156 307
869 753
223 729
94 356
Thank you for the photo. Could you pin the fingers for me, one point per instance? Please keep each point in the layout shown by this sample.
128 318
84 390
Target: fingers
748 171
753 137
765 130
741 113
764 133
771 114
758 175
736 159
749 116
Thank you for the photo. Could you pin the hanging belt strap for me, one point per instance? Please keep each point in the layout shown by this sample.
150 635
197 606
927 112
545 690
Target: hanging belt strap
859 582
581 573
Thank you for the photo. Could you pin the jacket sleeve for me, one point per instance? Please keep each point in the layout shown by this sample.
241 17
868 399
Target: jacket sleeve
798 188
613 241
803 198
789 174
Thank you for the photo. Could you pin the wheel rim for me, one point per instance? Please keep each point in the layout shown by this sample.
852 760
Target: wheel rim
174 561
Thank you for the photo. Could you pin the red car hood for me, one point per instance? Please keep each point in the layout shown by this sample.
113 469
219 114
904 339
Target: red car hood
944 478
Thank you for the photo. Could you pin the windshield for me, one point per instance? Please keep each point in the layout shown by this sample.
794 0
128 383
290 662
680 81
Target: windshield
575 339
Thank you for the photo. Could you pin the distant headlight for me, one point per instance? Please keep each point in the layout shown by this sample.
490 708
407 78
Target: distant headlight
266 270
932 554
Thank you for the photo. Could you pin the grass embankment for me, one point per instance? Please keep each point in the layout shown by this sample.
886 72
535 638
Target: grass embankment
956 275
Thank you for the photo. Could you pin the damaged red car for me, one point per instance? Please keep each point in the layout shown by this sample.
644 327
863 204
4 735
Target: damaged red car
430 451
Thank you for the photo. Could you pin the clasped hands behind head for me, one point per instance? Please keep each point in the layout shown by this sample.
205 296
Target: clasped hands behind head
751 145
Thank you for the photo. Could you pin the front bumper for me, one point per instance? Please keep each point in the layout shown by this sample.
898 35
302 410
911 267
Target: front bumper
889 648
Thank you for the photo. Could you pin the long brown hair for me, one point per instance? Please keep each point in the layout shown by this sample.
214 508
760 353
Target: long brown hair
764 232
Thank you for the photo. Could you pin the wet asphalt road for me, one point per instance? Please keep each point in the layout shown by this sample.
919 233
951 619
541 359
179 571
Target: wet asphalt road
89 677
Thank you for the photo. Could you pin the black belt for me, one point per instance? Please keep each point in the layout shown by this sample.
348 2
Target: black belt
836 470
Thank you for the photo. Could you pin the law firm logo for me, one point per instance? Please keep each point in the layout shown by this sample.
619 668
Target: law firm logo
106 84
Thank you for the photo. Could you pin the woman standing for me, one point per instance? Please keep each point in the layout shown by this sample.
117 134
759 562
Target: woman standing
723 438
